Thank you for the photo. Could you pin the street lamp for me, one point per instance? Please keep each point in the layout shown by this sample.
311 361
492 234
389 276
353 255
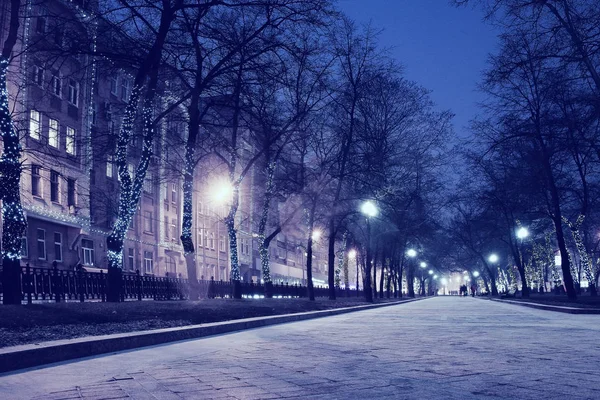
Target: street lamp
522 233
316 235
412 253
222 191
476 274
369 210
430 272
423 264
493 258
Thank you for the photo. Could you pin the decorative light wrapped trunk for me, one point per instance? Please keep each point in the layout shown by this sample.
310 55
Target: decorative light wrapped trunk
263 246
583 254
13 218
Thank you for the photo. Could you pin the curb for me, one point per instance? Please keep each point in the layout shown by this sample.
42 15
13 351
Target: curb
34 355
562 309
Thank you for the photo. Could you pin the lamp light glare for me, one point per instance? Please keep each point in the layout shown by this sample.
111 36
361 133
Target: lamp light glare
369 209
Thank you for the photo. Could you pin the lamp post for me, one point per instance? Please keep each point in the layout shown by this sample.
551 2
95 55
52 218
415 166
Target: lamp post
411 253
423 265
522 233
369 210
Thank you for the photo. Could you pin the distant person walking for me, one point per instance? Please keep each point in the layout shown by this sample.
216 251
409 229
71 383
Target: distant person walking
473 290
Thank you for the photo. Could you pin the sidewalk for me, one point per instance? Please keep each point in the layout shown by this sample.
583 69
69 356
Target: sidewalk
443 347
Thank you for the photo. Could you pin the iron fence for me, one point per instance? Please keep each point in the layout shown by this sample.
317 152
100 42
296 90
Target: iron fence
43 285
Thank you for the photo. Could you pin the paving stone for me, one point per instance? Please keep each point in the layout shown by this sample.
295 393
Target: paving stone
445 347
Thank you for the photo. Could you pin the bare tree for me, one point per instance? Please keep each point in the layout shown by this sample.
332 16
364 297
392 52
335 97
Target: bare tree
13 219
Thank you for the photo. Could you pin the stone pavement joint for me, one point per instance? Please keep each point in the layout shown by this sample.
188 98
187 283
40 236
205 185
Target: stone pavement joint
445 347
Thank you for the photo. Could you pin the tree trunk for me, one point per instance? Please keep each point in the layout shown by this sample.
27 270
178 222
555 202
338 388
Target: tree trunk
187 237
583 254
331 260
410 280
263 244
389 285
131 188
311 225
382 279
14 222
374 275
233 249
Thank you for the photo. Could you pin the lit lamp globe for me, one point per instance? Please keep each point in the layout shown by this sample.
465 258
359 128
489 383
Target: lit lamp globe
522 233
412 253
430 272
222 191
423 264
476 274
493 258
369 209
316 235
352 253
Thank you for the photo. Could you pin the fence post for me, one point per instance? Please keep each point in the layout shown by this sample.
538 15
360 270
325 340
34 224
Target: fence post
54 282
138 284
211 288
80 286
28 282
102 285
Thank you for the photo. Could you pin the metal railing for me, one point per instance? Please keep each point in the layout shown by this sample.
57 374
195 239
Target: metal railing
43 285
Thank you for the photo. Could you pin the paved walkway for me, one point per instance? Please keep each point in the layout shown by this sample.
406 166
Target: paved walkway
445 347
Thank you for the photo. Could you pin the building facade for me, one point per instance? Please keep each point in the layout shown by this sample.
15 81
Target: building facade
67 109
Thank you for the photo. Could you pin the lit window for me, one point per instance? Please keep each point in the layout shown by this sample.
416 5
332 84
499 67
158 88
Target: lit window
36 181
70 144
87 248
34 124
148 262
212 240
53 133
73 92
54 187
58 246
166 227
222 243
41 244
109 166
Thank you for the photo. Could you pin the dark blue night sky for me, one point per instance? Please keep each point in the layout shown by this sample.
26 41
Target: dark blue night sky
442 47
